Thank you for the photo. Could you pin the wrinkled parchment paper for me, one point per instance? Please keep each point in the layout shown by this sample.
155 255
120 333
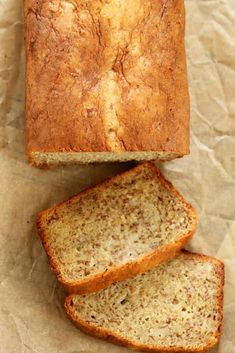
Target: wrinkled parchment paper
32 318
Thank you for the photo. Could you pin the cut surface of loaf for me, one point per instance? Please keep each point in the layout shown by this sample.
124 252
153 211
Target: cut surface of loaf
175 307
115 230
105 81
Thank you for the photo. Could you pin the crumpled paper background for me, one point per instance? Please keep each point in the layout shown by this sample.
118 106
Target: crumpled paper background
32 318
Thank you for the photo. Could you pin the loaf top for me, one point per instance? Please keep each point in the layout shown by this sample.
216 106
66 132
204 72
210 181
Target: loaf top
106 76
175 307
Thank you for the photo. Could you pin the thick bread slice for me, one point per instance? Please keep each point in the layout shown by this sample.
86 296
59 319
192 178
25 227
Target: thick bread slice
115 230
175 307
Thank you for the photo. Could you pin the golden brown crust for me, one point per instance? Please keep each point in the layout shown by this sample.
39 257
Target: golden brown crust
112 337
118 273
119 93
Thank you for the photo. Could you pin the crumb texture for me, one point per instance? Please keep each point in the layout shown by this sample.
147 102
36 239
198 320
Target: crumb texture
40 158
176 304
106 76
130 217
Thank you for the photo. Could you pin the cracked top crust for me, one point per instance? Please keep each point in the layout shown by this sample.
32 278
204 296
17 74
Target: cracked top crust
107 75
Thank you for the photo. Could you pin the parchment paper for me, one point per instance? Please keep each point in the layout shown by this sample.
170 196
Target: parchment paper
32 318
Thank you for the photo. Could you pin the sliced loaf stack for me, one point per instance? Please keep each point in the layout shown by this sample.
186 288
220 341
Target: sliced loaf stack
116 231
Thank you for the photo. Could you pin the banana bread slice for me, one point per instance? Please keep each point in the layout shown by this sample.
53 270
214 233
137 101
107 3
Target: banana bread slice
115 230
175 307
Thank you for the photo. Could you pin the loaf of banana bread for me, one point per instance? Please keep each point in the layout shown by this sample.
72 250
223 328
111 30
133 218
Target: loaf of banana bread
105 81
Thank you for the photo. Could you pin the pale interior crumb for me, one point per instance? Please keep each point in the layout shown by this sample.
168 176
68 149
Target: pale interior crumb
50 158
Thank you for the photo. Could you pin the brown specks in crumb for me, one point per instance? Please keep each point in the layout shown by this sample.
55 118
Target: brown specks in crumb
53 217
175 300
